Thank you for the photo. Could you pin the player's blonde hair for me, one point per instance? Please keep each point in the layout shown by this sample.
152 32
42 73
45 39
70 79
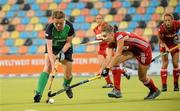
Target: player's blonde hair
107 28
58 14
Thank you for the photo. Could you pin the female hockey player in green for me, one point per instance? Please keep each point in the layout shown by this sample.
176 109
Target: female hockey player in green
58 35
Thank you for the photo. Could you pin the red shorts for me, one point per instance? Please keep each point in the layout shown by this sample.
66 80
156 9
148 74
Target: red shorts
102 52
162 49
102 49
145 57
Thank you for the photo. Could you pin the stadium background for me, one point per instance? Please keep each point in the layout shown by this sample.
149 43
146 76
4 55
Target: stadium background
22 24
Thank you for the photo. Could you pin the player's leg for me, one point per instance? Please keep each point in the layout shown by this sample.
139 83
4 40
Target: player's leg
144 60
147 81
116 72
176 70
164 72
67 70
109 83
43 78
116 92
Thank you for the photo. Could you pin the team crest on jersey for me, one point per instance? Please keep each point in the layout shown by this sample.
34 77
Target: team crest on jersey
119 37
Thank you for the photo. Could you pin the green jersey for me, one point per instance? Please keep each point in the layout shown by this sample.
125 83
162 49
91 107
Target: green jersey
59 37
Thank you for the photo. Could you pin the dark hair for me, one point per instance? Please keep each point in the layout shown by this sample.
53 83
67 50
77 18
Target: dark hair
115 28
58 14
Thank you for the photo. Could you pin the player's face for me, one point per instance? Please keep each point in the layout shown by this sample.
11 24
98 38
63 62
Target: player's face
59 23
99 19
168 21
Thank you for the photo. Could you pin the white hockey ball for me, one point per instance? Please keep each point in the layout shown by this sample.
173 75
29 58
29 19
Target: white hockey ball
51 100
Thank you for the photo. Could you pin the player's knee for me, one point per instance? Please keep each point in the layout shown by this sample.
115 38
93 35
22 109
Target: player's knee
165 64
68 76
143 79
47 69
175 65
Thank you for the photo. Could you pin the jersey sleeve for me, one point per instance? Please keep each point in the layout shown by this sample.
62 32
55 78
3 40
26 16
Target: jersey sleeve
48 31
71 31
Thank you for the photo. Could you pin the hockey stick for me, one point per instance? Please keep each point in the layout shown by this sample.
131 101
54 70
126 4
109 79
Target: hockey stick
165 53
72 86
52 78
127 75
92 42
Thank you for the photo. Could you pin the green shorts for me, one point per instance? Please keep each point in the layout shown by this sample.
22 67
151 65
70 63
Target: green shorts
68 53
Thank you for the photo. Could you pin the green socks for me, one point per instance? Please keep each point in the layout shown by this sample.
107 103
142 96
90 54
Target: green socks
43 78
67 82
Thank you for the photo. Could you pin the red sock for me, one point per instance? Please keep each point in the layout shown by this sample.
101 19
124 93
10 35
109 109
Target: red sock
150 84
116 71
164 76
176 73
108 79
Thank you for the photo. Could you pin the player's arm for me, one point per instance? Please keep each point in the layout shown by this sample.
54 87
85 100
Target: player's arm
61 55
161 41
109 52
116 58
48 36
67 44
50 53
71 34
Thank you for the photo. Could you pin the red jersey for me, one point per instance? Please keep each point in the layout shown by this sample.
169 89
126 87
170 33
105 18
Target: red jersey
102 45
137 45
169 35
133 41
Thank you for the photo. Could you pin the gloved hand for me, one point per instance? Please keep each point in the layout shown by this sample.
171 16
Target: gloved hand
105 72
61 56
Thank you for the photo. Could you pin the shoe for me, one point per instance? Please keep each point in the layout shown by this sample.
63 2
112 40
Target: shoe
107 86
69 92
164 88
115 93
37 97
176 87
152 95
127 75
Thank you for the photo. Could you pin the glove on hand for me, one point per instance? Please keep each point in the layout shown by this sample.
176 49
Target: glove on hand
105 72
61 56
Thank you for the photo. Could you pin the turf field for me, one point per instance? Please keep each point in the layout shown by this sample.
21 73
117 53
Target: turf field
16 95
